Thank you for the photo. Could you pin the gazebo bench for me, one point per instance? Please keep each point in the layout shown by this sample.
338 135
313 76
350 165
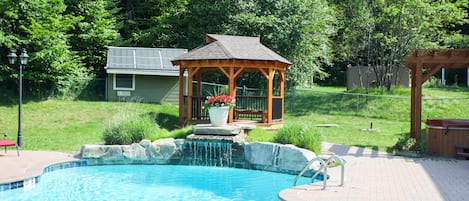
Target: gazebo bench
261 113
462 151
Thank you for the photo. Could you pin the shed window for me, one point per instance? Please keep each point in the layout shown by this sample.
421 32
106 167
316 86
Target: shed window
124 82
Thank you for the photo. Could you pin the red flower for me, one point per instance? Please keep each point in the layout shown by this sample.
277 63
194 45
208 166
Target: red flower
219 101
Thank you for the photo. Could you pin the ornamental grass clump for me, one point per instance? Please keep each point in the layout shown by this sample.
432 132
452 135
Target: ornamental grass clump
129 128
219 101
300 136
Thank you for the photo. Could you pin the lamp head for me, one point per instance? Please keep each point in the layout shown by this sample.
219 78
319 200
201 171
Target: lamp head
12 57
24 57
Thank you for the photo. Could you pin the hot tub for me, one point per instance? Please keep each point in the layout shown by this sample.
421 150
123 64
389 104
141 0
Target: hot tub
444 134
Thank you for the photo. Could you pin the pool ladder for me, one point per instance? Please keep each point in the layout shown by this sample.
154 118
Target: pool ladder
323 169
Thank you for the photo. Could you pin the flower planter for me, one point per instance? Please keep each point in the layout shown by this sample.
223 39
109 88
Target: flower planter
218 115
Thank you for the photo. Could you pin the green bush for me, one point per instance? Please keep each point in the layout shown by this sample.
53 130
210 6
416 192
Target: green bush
128 129
407 143
301 136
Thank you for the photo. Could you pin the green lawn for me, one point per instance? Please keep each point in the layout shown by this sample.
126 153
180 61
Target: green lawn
67 125
390 115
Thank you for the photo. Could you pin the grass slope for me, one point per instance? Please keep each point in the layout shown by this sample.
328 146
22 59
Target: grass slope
66 125
353 113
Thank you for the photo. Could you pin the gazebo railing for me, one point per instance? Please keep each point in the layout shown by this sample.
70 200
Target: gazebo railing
247 107
251 107
245 103
251 103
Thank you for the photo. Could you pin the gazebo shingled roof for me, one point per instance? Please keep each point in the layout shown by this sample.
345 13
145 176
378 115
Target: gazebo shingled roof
423 64
231 55
232 47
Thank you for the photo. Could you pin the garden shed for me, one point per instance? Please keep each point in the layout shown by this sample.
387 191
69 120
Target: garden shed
142 74
365 76
232 55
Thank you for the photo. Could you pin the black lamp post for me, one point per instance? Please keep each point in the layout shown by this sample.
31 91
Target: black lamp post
23 58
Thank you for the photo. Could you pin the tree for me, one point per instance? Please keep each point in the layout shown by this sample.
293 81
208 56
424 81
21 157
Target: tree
40 27
152 23
94 29
380 33
299 30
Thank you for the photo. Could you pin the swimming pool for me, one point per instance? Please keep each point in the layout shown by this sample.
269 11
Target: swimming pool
155 182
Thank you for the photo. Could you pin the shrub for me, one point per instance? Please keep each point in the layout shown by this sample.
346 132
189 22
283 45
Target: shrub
129 128
407 143
301 136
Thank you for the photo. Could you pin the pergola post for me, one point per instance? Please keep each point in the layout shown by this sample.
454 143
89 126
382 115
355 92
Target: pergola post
416 102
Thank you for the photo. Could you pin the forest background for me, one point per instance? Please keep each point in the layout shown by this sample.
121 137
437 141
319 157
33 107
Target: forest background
67 39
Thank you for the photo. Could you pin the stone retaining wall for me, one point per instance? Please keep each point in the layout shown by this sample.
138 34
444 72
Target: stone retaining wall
258 155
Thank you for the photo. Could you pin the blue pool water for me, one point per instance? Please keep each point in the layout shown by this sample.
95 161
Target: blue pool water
155 182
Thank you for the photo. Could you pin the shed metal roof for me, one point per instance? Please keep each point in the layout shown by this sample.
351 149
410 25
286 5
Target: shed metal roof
232 47
144 61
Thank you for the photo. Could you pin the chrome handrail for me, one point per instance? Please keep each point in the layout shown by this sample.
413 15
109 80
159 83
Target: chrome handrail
341 162
323 167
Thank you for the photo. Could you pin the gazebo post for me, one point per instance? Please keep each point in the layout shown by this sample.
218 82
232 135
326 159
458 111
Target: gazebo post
270 86
282 90
231 90
181 95
199 94
189 95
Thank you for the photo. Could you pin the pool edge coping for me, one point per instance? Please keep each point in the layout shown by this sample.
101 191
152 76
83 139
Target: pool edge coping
29 181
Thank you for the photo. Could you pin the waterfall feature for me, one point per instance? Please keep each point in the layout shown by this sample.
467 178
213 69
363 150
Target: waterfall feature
210 153
216 146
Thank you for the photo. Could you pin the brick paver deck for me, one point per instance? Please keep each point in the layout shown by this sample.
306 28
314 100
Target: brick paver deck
376 176
29 164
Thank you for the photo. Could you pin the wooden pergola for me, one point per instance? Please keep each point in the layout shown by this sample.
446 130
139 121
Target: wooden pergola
231 55
424 64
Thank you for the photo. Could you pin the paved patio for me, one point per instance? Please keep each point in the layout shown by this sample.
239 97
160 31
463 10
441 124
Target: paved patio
369 175
377 176
29 164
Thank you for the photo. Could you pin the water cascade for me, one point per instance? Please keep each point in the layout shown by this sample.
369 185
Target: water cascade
216 146
210 153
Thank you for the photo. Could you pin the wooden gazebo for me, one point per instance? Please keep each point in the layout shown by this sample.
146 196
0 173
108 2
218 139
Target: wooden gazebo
424 64
231 55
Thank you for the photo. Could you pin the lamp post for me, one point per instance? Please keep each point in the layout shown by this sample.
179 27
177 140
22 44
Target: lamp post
23 58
